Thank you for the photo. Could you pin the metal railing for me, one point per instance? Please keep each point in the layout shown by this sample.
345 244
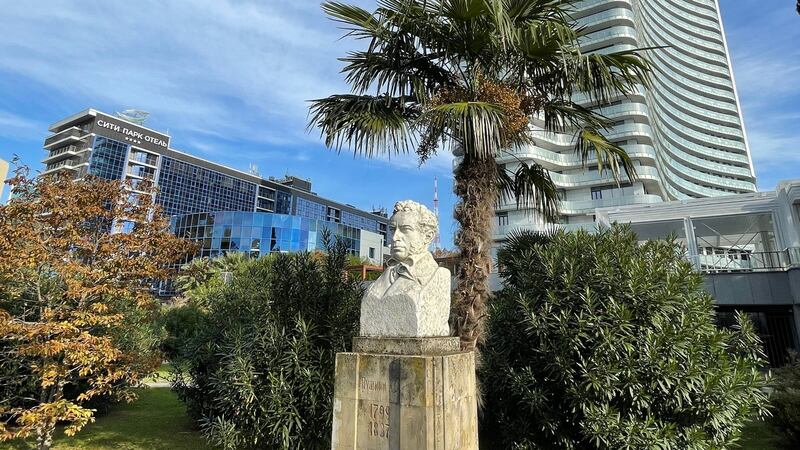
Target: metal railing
738 261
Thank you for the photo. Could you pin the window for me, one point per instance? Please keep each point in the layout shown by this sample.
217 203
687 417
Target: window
108 158
334 215
372 252
597 194
502 219
185 188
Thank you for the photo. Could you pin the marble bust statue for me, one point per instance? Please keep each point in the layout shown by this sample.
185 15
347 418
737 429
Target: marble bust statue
412 296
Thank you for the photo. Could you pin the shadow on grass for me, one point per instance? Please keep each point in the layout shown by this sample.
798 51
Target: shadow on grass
157 420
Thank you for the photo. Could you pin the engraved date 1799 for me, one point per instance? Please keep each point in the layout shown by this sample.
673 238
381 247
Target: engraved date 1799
379 420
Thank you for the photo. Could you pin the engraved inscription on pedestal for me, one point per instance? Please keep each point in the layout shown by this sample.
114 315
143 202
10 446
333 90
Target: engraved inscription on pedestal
407 384
386 401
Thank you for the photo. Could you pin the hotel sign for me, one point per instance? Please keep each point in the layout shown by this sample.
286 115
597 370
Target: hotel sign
129 133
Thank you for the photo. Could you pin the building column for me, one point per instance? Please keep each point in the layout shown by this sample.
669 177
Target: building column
691 242
796 316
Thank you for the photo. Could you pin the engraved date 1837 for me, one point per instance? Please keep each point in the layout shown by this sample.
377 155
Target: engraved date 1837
379 420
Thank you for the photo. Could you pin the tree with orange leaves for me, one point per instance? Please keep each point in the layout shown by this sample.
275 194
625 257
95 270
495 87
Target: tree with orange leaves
77 259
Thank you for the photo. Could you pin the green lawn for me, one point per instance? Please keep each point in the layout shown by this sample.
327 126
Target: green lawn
156 421
759 436
162 374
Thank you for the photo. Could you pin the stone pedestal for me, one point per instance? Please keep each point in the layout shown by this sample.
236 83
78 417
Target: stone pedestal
405 393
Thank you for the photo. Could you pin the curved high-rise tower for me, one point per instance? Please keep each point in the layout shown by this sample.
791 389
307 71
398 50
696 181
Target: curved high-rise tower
684 133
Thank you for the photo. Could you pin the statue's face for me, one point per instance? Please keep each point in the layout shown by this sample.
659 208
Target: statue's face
408 238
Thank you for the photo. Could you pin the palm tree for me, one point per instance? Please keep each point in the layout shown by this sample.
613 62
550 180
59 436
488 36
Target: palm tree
473 77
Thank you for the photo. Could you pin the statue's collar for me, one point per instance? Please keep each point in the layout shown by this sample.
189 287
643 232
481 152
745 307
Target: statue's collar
419 268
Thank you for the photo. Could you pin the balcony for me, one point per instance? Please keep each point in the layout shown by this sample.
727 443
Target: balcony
773 261
67 164
72 134
575 207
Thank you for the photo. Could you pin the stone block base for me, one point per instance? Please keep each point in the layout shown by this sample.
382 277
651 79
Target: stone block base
405 393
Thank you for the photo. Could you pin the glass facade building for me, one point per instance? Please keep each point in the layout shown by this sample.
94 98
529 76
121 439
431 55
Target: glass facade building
259 234
94 143
186 188
684 134
108 158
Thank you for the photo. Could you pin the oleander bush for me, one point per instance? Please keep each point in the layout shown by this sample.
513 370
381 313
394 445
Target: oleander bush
181 326
598 342
785 401
260 371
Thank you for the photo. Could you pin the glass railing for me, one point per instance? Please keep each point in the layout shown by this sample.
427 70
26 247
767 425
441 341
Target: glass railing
700 149
704 138
616 132
589 4
715 56
721 81
738 261
145 158
687 5
570 159
691 20
685 24
66 164
593 177
582 98
612 34
70 149
624 110
581 206
705 163
688 59
665 103
629 130
711 179
685 95
662 25
606 16
665 69
695 188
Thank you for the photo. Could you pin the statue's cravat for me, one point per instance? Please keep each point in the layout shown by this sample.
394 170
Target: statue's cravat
398 269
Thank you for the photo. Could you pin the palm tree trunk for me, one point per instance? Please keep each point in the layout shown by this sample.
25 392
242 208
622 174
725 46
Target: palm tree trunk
475 185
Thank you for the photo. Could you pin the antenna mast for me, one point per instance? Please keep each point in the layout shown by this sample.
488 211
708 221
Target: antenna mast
437 242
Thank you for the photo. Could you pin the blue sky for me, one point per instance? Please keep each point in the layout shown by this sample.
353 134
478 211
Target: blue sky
229 81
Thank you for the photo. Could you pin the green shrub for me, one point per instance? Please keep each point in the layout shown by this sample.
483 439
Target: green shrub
260 372
181 325
599 342
785 401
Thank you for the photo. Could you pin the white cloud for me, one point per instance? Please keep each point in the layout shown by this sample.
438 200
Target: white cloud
773 147
229 71
13 125
237 68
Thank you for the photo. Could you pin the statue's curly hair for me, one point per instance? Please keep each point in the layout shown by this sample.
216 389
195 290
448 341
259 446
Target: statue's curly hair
427 219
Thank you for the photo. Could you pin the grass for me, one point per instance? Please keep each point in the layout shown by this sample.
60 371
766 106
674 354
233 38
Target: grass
156 421
162 374
758 435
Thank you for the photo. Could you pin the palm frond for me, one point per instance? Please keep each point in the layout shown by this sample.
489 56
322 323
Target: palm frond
531 187
395 72
357 21
476 126
602 76
561 115
591 144
367 124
